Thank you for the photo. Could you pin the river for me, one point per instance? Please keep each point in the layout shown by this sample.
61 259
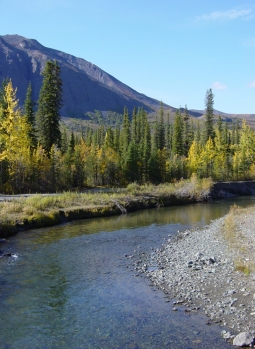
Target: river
72 286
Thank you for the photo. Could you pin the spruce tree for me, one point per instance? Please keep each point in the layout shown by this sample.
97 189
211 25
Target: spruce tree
168 137
3 104
29 105
49 104
125 134
186 132
134 127
209 102
177 147
71 143
161 128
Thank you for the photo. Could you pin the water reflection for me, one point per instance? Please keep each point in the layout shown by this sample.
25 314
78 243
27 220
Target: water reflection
193 215
72 286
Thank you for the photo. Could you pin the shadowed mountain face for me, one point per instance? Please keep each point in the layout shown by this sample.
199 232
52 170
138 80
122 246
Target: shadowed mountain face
85 86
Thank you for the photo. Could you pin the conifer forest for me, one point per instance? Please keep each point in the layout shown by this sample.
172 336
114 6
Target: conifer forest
39 154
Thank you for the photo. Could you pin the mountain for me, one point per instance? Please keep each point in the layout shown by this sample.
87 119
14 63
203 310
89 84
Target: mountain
86 87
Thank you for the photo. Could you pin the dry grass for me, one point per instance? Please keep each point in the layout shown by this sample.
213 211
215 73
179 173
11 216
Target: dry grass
244 267
237 240
41 206
194 188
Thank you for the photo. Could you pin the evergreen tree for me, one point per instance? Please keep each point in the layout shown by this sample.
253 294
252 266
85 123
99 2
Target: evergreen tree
125 135
3 103
186 132
64 141
219 125
49 104
155 139
197 135
71 143
209 102
177 147
116 139
161 128
146 152
168 138
109 138
134 127
131 164
29 105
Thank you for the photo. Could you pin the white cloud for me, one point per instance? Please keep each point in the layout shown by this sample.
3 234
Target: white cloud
218 86
226 15
252 84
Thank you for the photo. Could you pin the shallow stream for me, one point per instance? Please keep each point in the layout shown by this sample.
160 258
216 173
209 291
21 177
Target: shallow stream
72 286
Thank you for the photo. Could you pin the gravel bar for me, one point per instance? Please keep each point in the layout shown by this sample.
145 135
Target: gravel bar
196 269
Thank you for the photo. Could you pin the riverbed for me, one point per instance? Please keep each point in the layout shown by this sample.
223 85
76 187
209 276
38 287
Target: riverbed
73 286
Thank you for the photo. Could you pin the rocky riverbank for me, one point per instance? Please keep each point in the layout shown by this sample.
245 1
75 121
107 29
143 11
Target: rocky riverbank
210 270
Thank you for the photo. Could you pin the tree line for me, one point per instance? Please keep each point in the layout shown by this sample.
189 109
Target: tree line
38 154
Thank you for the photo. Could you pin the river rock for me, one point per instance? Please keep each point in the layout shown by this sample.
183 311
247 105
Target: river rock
243 339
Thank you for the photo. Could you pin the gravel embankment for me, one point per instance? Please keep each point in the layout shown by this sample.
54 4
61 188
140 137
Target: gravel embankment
197 269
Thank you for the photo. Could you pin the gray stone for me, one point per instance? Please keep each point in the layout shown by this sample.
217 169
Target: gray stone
243 339
226 335
198 255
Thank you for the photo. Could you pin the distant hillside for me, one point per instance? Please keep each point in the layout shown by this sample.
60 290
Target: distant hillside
250 118
86 87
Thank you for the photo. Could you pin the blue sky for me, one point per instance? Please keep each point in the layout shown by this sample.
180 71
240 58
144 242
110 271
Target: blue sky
167 49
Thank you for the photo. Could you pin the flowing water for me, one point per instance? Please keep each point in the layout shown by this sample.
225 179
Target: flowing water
72 286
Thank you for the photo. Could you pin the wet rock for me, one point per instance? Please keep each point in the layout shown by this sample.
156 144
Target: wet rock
8 254
243 339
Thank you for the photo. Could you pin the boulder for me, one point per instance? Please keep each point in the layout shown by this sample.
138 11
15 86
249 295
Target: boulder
243 339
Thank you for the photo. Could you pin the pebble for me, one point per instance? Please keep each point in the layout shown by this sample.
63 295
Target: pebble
197 268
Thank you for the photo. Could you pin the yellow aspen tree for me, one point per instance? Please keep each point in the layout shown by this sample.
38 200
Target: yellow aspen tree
15 141
246 152
193 160
207 158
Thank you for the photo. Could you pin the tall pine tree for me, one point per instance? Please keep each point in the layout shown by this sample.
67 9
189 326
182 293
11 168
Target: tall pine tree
209 102
30 114
49 104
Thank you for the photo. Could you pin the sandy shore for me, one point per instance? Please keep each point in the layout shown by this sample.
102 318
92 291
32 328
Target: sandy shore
211 270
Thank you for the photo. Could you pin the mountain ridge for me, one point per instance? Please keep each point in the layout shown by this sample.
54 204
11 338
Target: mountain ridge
24 60
86 87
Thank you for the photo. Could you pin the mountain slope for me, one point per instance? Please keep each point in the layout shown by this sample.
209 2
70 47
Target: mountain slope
86 87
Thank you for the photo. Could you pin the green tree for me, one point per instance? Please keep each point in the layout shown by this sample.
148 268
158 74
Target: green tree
186 132
29 105
125 136
49 104
161 128
209 102
177 147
